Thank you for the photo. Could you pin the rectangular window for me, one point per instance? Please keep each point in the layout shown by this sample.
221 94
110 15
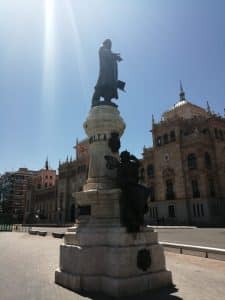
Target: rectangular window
194 210
154 212
165 139
198 210
202 210
216 133
152 194
171 211
212 188
195 190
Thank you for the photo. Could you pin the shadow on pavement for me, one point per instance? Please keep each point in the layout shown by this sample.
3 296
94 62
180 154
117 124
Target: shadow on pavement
161 294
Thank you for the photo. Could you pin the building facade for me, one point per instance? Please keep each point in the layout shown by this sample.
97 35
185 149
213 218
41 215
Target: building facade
45 178
14 186
41 197
185 168
41 205
72 177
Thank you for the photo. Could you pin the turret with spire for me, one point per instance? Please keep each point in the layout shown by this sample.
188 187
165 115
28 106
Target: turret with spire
208 107
153 120
46 164
182 93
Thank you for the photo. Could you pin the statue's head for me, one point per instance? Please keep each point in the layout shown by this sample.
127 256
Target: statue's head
107 44
125 156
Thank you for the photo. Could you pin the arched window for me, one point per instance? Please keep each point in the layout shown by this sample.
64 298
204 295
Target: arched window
192 161
208 162
150 171
158 141
169 190
172 136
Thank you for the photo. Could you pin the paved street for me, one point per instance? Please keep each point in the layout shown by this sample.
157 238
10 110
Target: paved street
209 237
28 262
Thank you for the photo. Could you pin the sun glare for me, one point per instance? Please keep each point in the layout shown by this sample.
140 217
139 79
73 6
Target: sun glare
67 19
49 52
77 45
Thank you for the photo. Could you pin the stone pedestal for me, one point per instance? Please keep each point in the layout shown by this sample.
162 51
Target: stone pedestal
98 254
101 122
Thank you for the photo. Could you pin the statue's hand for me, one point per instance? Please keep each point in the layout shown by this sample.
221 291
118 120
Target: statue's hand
117 57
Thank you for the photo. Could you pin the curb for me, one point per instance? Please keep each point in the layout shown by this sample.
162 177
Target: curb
207 252
172 227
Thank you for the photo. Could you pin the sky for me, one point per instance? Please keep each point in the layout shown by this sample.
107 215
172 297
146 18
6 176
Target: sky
49 67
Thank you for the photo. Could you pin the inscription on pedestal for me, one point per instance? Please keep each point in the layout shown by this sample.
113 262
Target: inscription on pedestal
84 210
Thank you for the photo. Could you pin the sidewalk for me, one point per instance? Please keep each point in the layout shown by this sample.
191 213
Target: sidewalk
28 263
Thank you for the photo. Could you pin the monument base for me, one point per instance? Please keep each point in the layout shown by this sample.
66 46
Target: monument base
112 261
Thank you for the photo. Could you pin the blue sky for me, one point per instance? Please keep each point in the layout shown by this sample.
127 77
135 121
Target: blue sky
49 66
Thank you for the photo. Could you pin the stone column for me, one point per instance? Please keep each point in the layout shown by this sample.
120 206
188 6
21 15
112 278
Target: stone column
101 122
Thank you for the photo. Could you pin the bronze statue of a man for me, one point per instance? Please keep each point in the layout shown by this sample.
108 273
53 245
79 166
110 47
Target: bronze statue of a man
108 83
133 203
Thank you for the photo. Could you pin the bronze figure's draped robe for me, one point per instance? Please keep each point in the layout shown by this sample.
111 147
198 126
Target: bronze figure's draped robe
108 83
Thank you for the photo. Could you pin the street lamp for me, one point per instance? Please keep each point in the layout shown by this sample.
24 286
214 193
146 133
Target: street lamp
59 215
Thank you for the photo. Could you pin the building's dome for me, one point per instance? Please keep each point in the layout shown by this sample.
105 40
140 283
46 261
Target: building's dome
180 103
183 109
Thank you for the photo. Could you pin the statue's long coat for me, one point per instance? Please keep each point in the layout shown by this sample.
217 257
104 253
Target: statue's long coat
108 74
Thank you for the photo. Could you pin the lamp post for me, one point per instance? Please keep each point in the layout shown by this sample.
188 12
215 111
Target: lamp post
59 215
